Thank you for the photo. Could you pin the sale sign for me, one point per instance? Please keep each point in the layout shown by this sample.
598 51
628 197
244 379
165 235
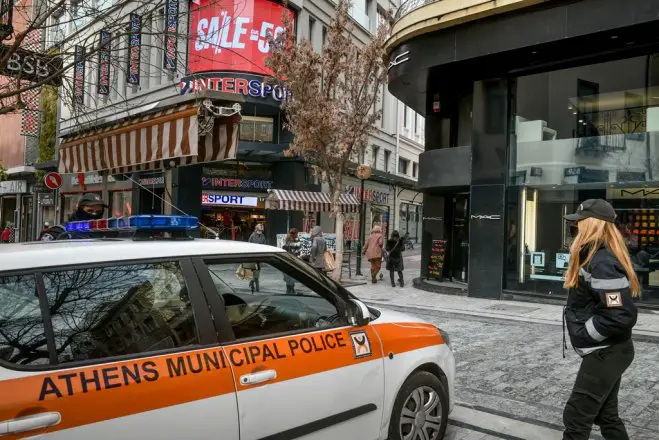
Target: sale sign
231 35
135 47
103 85
79 75
171 37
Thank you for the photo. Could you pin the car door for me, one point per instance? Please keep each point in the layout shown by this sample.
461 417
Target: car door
129 352
299 369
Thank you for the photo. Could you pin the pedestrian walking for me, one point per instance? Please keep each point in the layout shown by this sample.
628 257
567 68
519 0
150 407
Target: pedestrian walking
318 248
373 251
293 246
395 246
259 238
599 316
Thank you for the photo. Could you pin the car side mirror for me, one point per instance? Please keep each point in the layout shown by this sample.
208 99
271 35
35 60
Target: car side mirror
359 314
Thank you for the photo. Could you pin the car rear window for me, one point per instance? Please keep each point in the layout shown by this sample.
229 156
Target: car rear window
22 339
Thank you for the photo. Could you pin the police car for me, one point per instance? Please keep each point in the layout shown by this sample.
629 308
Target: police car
161 336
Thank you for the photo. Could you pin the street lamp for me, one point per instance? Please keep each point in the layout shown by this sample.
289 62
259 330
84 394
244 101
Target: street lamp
363 172
6 19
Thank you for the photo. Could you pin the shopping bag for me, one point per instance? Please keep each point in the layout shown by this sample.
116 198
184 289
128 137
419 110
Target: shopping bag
329 261
240 272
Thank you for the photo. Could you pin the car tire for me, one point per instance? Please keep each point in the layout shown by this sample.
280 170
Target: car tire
421 407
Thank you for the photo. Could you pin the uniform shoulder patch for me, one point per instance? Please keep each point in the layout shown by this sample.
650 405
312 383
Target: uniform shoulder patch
613 299
360 344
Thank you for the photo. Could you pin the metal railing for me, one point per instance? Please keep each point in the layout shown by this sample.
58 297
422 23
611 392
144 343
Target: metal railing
411 5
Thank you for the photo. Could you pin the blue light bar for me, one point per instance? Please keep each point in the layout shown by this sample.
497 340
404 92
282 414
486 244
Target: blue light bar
163 222
137 222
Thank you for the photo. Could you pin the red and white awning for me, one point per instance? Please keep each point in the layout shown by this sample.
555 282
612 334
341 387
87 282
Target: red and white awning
308 201
167 138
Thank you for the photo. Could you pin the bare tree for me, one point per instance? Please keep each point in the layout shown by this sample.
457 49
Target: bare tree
332 107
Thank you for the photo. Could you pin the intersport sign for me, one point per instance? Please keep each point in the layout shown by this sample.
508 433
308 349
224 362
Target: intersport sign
231 35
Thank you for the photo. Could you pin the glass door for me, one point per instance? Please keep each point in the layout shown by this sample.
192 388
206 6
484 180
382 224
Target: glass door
459 241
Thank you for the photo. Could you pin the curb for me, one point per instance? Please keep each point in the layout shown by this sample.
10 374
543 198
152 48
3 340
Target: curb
638 335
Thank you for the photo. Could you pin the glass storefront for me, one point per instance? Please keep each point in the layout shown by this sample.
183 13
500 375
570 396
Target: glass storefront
409 220
580 133
120 203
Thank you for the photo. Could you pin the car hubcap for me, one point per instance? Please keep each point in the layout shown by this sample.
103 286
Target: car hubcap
421 417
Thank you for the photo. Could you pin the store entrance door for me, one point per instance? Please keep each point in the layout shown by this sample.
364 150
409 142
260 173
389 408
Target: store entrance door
458 233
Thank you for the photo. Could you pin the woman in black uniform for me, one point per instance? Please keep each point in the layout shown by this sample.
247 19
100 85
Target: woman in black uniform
600 315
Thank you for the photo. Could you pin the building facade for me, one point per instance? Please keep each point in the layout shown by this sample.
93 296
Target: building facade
531 107
228 67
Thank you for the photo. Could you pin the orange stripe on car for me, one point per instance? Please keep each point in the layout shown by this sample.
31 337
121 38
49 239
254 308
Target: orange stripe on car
87 395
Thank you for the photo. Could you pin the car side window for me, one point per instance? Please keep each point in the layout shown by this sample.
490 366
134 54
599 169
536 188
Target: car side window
22 340
119 310
262 300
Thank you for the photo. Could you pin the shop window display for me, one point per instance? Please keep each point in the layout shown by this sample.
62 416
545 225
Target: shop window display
580 133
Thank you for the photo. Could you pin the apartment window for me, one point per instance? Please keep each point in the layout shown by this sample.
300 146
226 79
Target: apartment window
382 95
382 20
374 159
415 169
403 165
416 122
253 129
405 116
362 156
324 35
58 28
312 29
387 157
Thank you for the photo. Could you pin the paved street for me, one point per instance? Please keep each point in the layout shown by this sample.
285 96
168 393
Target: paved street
511 366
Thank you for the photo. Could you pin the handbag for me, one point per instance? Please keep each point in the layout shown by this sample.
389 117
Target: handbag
329 261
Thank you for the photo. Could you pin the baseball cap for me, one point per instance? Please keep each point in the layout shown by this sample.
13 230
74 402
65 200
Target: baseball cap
594 208
91 199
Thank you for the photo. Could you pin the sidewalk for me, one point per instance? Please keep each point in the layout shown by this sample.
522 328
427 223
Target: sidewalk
382 294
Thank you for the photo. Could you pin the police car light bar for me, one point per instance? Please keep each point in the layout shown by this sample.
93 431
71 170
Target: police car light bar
135 223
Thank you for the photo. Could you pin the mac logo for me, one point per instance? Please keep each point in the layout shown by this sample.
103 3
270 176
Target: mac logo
400 59
486 217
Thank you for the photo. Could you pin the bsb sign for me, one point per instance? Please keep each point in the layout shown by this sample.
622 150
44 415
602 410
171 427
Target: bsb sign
250 86
32 66
232 34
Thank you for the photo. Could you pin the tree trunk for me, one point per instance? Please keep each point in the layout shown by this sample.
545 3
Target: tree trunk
338 258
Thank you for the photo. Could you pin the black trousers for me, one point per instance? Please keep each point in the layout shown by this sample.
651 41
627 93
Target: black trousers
400 276
594 398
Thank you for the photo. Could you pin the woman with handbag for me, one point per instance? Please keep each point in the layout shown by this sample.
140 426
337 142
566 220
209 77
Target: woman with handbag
395 258
318 248
259 238
373 251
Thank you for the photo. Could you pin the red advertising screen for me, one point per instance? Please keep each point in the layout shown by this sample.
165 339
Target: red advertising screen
231 34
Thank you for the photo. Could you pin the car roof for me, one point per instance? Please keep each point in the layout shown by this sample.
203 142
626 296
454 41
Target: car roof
38 254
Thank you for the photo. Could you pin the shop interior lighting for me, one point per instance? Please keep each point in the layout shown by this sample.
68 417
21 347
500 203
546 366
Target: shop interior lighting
163 223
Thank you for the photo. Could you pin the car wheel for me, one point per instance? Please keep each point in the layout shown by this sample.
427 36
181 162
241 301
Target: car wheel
420 410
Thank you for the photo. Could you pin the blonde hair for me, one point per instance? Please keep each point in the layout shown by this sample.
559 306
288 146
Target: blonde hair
595 233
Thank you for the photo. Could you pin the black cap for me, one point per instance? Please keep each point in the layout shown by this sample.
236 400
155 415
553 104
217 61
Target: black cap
91 200
595 208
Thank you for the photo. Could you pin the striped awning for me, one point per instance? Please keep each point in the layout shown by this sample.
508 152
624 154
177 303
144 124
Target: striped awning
169 137
308 201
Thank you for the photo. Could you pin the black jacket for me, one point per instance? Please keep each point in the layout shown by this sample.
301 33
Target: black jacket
600 311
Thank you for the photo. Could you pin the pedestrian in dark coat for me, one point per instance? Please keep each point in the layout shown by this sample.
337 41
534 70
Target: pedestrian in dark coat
394 249
599 315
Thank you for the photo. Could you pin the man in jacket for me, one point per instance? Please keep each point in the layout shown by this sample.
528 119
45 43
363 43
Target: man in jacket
318 248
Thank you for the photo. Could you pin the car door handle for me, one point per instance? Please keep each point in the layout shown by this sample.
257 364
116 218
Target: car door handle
258 377
30 423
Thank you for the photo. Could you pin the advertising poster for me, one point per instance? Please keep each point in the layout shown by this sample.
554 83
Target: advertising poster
103 83
232 35
171 30
135 47
79 75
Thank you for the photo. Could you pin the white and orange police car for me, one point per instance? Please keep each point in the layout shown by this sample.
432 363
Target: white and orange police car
180 338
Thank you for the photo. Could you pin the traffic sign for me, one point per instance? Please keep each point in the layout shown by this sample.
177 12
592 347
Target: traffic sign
53 180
